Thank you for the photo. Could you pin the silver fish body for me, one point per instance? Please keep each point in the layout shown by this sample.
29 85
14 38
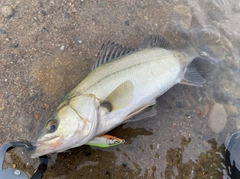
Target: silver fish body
151 71
111 94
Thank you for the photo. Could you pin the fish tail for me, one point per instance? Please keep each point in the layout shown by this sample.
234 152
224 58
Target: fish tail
198 47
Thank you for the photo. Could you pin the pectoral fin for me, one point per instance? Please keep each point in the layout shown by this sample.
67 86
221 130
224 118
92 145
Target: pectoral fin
105 141
192 77
120 97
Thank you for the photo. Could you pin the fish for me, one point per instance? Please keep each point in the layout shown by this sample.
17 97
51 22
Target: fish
123 83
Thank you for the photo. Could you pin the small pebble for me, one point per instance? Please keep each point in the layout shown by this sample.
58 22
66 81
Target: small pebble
40 17
127 23
74 10
2 31
7 11
62 48
2 107
229 88
179 104
47 106
14 165
108 173
14 45
231 110
21 27
217 118
77 40
124 165
66 15
36 116
237 123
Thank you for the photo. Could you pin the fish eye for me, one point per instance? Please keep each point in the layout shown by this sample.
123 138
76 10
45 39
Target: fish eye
52 125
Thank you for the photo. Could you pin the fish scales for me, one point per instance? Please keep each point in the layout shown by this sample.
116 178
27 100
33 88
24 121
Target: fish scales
148 69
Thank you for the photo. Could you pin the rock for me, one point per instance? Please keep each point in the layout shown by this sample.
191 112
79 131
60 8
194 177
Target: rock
2 107
183 15
237 123
21 27
77 40
40 17
217 118
74 10
231 110
2 31
14 45
127 23
7 11
229 88
62 48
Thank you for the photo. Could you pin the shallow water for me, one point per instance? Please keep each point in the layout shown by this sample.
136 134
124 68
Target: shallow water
179 142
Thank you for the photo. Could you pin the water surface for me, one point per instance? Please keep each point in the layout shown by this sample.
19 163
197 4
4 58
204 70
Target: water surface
179 142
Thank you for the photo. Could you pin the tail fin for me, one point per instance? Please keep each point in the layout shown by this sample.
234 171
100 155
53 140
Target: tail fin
198 40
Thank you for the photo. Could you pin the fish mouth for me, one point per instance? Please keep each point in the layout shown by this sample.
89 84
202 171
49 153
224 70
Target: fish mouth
46 146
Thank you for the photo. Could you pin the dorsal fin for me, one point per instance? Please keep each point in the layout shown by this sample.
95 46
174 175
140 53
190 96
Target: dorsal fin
155 41
109 52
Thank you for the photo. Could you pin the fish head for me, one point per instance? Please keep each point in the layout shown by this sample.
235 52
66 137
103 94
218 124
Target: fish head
65 128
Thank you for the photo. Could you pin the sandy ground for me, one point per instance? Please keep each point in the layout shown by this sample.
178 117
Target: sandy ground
47 47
